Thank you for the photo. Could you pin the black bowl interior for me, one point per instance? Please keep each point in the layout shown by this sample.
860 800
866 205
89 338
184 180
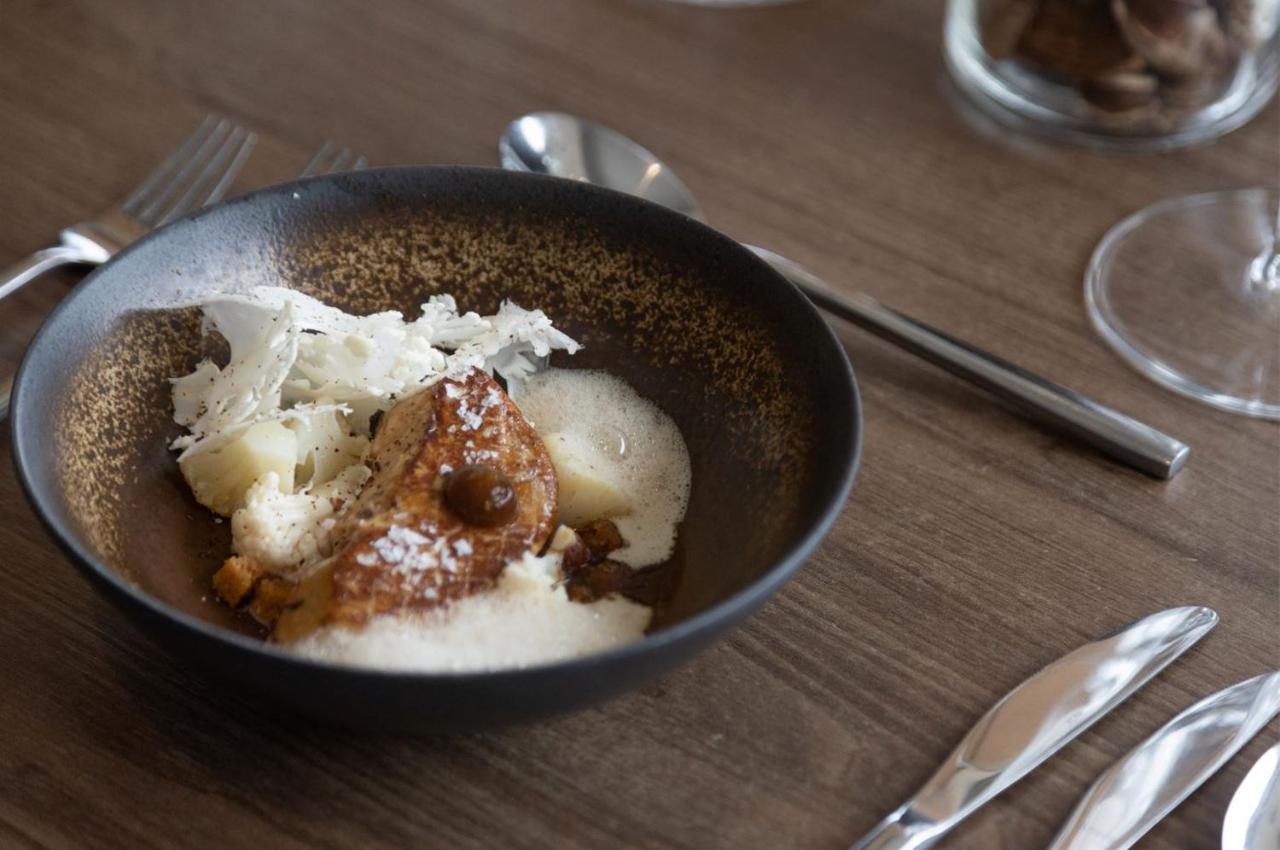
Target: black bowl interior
757 383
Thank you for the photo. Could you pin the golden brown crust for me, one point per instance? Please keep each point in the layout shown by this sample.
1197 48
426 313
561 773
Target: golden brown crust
399 547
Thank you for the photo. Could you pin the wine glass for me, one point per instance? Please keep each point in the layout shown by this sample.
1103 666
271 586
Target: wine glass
1187 291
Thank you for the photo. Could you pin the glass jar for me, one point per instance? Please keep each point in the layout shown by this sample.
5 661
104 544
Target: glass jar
1146 74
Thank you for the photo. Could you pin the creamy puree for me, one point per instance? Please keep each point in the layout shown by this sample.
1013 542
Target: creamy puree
637 447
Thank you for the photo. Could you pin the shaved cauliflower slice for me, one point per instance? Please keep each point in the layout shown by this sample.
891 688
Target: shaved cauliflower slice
287 532
288 348
264 346
516 344
326 446
323 373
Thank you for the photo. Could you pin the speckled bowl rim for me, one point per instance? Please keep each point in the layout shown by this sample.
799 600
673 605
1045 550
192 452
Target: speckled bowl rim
726 611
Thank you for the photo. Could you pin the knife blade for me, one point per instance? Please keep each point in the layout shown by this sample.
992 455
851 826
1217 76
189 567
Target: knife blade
1035 720
1252 821
1137 791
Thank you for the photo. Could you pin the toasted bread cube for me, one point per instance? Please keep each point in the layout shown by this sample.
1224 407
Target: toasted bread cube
236 578
269 599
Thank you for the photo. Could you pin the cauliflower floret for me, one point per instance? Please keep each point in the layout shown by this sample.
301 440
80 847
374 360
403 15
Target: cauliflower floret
222 469
285 531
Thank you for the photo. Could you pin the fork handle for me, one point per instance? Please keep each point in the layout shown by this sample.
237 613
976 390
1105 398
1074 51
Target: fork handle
23 272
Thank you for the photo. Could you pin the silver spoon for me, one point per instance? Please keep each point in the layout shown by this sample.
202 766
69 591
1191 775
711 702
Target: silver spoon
564 145
1253 816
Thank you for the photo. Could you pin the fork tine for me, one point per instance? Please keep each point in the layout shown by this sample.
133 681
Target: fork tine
340 162
229 153
332 160
151 212
313 166
241 157
141 195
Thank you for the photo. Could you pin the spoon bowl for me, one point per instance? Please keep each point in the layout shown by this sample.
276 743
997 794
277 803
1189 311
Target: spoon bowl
577 149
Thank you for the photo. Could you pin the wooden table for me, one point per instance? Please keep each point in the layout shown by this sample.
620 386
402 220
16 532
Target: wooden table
975 548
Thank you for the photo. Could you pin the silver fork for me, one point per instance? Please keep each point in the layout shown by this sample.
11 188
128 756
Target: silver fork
330 160
196 173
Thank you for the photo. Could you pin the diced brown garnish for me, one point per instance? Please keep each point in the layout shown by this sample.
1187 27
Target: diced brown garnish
596 581
601 536
269 599
575 556
646 585
236 578
586 547
590 545
592 575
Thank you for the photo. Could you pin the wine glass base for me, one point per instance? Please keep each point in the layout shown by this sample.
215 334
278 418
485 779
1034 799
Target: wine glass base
1175 290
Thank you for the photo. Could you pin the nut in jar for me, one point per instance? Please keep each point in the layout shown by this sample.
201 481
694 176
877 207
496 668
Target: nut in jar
1142 65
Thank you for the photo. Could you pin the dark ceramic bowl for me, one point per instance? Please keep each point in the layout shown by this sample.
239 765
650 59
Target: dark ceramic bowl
757 382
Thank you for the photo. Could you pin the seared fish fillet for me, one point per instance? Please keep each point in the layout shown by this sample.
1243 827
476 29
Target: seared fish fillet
399 547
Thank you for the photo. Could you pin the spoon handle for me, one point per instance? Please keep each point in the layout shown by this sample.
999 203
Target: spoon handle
1110 432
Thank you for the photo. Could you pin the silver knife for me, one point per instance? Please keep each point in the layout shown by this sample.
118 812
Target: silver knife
1035 720
1144 786
1253 816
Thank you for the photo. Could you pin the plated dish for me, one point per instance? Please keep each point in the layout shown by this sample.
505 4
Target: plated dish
754 381
426 494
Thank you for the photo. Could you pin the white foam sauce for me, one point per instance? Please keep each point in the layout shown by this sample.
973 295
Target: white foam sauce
529 619
639 446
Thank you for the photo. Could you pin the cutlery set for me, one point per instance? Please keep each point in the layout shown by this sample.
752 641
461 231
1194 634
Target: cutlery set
1034 720
576 148
200 171
1047 711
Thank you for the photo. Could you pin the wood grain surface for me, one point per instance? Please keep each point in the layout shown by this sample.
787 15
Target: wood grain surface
974 550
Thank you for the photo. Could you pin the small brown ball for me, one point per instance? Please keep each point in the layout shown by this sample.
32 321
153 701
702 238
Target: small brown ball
480 495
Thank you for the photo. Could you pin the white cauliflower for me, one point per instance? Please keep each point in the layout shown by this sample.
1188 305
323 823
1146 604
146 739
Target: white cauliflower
287 349
221 470
287 532
304 378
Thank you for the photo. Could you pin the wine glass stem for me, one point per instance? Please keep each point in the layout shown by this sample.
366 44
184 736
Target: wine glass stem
1264 272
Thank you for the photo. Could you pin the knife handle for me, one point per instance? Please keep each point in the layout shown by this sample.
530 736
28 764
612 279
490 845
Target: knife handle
902 830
